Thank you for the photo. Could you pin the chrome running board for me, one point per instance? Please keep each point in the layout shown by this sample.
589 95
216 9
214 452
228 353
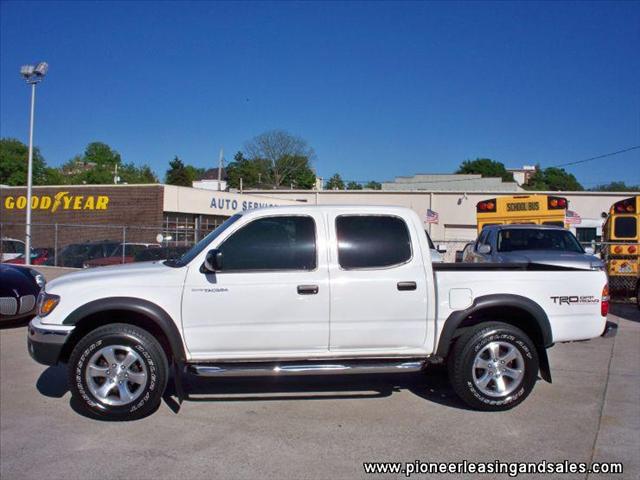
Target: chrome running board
256 369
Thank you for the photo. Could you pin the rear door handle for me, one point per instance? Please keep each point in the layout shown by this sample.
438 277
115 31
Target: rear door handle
407 285
307 289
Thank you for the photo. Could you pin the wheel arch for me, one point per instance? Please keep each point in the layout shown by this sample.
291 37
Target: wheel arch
133 311
515 310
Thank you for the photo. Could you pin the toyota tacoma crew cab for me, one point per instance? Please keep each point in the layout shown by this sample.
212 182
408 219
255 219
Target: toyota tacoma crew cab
303 290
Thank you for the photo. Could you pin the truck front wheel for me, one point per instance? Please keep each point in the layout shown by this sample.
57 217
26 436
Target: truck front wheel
118 371
493 366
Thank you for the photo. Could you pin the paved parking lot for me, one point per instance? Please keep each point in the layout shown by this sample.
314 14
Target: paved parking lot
324 427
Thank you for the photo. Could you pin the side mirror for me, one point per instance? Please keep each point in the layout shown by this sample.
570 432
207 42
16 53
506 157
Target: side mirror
589 250
212 262
484 249
442 248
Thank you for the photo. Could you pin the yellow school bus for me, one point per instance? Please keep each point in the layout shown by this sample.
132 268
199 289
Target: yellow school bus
535 209
621 249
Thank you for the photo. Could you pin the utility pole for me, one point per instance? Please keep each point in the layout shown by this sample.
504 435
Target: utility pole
220 165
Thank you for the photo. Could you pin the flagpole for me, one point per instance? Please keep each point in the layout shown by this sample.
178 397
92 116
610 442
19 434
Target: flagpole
430 208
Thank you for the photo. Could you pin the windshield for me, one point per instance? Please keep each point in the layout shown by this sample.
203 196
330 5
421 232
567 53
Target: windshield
537 239
202 244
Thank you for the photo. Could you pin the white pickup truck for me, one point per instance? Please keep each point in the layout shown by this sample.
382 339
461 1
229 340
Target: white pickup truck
302 290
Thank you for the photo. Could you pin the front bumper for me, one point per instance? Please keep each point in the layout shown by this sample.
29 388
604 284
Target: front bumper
45 342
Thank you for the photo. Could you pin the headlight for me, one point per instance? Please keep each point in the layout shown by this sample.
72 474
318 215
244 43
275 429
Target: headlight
38 277
46 303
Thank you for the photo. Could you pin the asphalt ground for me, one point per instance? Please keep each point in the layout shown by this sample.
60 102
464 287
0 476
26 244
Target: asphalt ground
325 427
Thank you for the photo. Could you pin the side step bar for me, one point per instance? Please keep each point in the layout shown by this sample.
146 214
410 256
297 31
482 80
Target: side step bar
258 369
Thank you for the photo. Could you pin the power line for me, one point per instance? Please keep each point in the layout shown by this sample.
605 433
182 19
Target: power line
598 157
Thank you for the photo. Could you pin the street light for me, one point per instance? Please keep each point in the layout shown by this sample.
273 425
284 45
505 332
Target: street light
32 75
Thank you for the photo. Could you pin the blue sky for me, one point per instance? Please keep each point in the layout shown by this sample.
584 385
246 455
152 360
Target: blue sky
377 89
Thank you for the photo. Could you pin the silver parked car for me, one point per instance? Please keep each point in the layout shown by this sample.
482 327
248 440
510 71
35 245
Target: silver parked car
542 244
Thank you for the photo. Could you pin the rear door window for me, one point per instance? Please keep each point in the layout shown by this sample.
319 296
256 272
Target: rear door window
372 241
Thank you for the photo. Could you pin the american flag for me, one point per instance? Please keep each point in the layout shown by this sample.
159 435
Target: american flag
432 217
573 218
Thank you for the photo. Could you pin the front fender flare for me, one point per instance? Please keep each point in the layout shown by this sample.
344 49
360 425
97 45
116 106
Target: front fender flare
143 307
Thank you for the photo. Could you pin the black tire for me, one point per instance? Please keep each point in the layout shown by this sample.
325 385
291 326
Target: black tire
150 365
475 341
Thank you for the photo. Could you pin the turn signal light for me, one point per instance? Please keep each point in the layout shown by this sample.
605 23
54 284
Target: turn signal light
632 249
617 249
604 302
47 303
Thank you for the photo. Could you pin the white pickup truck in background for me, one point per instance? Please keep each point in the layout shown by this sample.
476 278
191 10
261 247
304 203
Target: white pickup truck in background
311 290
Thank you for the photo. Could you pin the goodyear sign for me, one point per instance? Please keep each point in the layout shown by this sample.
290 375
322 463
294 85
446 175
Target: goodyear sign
59 201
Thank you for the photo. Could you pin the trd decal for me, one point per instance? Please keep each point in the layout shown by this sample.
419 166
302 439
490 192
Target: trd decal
575 300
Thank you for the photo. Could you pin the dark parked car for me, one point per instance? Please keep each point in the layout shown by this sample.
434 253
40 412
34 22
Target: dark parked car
164 253
76 254
19 289
118 256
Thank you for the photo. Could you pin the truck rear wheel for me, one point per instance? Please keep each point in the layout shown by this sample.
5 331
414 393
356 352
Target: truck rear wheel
118 371
493 366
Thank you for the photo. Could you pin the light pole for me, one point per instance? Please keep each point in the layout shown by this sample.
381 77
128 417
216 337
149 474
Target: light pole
32 75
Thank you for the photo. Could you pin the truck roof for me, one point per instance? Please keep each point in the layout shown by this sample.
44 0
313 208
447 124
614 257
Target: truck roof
332 208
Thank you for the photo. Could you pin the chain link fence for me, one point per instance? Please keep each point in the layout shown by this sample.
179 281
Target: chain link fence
90 245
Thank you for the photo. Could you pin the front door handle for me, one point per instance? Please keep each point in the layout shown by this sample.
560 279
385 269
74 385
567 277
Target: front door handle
307 289
407 285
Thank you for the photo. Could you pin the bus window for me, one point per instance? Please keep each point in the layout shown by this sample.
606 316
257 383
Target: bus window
555 224
625 227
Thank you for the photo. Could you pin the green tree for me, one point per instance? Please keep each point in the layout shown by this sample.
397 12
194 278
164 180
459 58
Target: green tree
101 154
287 159
54 176
178 174
335 183
196 173
486 167
129 173
252 172
553 179
296 172
619 186
373 185
354 186
14 163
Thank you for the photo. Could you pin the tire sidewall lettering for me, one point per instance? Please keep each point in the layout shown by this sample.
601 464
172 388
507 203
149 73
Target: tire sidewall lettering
80 382
478 346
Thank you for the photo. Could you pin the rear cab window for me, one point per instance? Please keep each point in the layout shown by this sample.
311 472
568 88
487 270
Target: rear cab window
372 241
